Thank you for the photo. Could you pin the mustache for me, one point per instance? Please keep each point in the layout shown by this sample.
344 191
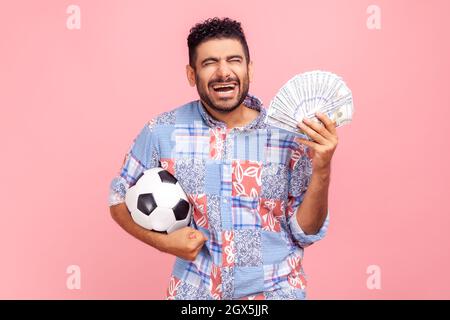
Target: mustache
219 81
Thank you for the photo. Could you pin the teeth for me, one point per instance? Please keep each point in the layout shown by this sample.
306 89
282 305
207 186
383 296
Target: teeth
224 86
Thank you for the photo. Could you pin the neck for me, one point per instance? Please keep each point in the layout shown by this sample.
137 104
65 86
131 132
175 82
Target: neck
239 117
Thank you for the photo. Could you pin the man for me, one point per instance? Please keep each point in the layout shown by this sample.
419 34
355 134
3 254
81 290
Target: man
259 193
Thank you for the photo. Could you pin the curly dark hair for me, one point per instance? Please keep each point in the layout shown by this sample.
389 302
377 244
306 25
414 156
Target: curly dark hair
215 28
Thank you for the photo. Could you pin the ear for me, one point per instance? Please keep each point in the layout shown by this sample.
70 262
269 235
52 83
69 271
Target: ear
190 73
250 71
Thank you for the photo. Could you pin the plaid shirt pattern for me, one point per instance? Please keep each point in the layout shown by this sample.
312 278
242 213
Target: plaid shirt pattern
245 185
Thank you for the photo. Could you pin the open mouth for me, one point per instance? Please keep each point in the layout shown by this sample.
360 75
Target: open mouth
225 89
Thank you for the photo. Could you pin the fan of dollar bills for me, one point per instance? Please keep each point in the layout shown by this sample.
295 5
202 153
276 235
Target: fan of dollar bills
308 93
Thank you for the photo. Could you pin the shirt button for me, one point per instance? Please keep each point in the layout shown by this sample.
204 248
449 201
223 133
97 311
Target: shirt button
225 201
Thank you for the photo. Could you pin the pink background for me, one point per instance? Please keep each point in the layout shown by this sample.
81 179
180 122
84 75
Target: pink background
71 102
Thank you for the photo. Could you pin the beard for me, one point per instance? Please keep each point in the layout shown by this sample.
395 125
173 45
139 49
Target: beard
223 105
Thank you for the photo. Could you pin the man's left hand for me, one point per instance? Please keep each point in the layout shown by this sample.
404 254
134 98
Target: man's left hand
324 144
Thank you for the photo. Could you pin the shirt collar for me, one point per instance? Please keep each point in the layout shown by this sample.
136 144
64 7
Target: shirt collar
250 101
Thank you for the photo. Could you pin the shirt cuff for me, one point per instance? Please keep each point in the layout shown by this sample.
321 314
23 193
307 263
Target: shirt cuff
117 191
303 239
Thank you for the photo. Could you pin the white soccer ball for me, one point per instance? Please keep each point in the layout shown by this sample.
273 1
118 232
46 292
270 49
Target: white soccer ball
157 202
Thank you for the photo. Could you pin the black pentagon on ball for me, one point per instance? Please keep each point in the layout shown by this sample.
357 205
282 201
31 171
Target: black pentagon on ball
181 209
146 203
167 177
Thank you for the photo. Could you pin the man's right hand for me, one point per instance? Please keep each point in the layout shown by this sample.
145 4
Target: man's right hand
185 243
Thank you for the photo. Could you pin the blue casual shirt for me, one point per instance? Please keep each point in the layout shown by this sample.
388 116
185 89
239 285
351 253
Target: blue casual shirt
245 185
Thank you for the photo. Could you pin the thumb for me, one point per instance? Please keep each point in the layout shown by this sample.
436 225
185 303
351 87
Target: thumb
192 234
198 235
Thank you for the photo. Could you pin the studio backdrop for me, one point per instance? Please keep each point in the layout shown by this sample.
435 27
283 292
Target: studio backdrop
79 79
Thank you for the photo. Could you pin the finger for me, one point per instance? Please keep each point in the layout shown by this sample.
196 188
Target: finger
329 124
200 243
201 236
196 244
192 235
195 235
308 143
198 251
312 133
319 127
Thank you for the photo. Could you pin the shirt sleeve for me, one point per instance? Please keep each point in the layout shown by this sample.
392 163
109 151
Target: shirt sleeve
142 155
300 177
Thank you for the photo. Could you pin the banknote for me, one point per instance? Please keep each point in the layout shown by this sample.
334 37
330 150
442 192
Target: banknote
307 93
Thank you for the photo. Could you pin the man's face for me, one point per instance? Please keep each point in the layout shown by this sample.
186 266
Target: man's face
221 74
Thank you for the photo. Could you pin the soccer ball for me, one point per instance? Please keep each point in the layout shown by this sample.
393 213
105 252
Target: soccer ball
157 202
